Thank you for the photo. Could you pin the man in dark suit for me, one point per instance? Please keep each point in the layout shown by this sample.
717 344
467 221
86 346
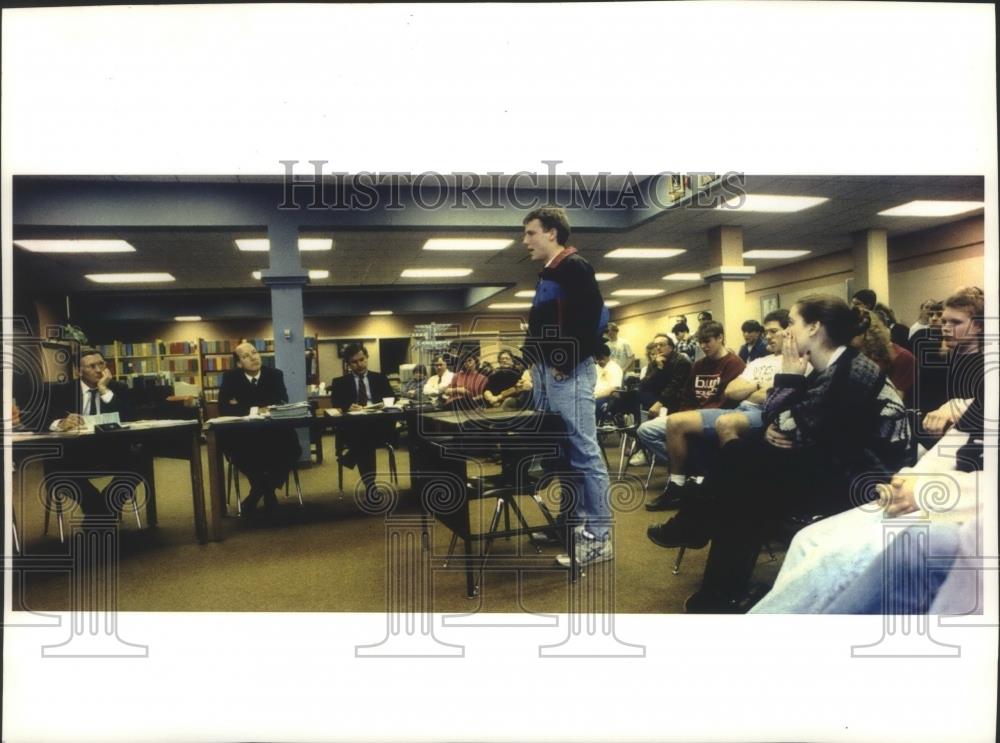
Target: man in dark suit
353 392
265 457
93 393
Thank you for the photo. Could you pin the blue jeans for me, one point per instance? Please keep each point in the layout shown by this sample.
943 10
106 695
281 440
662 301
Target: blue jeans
587 475
753 413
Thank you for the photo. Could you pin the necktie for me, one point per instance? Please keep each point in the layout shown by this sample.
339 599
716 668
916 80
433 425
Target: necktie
362 392
253 382
92 406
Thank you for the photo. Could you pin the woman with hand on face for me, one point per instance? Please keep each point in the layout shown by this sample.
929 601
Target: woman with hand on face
834 425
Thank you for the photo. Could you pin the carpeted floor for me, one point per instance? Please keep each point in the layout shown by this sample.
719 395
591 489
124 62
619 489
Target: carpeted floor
329 555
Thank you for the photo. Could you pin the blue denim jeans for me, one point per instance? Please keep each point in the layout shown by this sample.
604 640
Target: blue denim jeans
586 474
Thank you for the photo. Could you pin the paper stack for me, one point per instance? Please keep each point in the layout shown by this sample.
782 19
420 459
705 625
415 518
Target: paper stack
291 410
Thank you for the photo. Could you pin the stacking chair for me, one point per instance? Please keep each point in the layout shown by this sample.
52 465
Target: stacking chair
623 418
233 478
57 499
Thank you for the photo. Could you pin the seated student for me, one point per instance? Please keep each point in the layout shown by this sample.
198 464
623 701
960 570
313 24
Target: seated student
837 565
264 456
440 379
620 348
959 372
898 333
414 387
351 393
754 346
924 318
864 299
704 389
502 382
897 363
749 390
94 393
841 422
685 345
609 379
662 386
467 385
926 340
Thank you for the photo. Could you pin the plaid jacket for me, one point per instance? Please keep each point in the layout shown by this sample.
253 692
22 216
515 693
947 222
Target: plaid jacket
850 411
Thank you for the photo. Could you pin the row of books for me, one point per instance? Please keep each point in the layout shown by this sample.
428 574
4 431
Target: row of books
139 366
217 346
176 365
138 349
179 347
216 363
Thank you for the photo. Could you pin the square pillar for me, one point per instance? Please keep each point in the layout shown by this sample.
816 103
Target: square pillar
871 263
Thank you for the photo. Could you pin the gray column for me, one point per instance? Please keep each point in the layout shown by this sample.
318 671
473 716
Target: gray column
285 278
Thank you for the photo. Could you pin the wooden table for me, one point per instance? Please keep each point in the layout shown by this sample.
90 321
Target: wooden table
178 439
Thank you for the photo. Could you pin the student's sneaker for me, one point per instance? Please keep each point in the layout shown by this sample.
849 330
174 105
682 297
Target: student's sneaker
589 550
638 459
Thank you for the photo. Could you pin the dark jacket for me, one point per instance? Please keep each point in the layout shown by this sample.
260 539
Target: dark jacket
62 399
757 351
237 395
666 385
344 390
568 316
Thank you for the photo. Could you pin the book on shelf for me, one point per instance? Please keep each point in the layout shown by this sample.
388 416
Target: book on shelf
180 348
138 349
219 363
217 346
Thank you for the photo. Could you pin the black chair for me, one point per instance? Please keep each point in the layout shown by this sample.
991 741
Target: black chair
623 417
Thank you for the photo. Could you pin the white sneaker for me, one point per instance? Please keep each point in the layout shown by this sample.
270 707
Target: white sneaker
589 551
638 459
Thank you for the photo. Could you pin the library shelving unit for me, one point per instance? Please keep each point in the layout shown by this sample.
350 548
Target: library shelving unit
152 363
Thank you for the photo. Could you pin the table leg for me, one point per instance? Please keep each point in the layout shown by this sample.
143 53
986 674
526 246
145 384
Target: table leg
204 531
149 474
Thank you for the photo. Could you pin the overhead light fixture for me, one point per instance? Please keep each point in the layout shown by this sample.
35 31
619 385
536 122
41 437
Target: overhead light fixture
612 303
188 318
262 244
644 252
767 254
682 277
435 273
319 273
466 243
636 292
510 306
380 312
256 275
758 202
604 276
529 293
129 278
75 246
932 209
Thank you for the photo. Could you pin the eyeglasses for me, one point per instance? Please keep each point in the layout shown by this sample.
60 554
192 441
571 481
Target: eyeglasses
772 331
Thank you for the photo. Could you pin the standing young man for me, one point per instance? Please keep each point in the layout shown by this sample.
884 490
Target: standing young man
564 329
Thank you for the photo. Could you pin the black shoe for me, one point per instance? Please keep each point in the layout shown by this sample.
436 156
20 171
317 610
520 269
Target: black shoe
669 500
709 602
250 504
678 532
270 501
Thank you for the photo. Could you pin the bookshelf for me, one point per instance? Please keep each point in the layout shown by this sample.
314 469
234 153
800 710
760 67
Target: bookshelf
217 357
153 363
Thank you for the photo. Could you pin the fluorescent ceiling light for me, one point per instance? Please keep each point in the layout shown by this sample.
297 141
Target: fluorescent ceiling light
636 292
758 202
262 244
129 278
466 243
380 312
931 209
766 253
529 293
605 276
682 277
435 273
644 252
510 305
256 275
75 246
612 303
188 318
319 273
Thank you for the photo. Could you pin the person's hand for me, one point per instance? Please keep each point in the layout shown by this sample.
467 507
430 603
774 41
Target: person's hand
354 407
71 422
102 383
938 421
654 409
263 409
791 361
899 496
778 439
659 360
